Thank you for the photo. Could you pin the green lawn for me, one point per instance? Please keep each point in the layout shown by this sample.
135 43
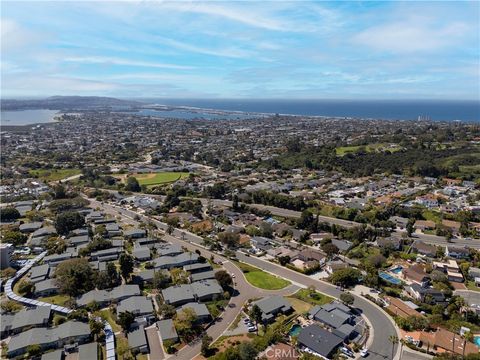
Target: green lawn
54 174
264 280
160 178
471 286
315 298
343 150
56 299
106 314
260 278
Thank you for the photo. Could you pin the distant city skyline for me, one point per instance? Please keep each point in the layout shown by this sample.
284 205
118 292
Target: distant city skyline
296 50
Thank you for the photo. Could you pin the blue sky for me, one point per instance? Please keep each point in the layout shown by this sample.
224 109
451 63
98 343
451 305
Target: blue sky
277 49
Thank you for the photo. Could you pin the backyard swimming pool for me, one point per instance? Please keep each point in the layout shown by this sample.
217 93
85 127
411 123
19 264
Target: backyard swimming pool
295 330
389 278
397 270
476 340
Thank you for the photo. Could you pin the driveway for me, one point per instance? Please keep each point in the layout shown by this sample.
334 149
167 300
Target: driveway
156 349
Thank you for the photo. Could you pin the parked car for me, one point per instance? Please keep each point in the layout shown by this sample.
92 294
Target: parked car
364 352
346 351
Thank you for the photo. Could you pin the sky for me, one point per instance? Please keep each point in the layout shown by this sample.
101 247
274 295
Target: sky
241 49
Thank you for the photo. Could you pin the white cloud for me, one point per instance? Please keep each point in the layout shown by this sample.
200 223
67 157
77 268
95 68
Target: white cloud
411 36
126 62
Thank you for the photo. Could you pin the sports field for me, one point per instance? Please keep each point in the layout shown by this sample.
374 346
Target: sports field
159 178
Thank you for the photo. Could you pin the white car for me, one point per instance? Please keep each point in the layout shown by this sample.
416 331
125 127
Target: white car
252 328
346 351
364 352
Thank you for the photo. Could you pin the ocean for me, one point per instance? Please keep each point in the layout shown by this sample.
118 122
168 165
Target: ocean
27 117
436 110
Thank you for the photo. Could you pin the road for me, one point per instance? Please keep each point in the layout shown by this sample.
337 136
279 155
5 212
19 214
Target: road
471 297
244 291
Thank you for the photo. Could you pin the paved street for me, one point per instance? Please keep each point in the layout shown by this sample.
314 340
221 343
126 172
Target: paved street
156 350
471 297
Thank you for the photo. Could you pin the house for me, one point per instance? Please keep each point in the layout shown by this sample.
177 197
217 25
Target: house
148 242
135 234
428 295
454 226
204 290
46 287
168 249
311 255
393 243
49 338
53 355
202 276
137 341
332 315
29 317
450 268
272 306
167 330
6 251
342 245
30 227
55 259
474 272
334 265
106 254
424 225
197 268
39 273
113 230
319 340
141 253
424 249
400 222
261 243
177 261
400 308
103 297
88 351
416 273
443 340
140 306
457 252
201 311
207 290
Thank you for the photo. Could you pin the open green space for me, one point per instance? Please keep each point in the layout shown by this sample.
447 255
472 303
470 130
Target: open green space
262 279
56 299
54 174
107 314
160 178
343 150
311 297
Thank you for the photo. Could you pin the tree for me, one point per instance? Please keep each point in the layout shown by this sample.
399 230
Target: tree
224 279
125 319
256 315
96 327
26 288
330 250
75 276
59 192
306 221
179 276
10 306
410 226
132 184
16 238
56 245
347 298
160 279
166 311
247 351
126 265
345 277
68 221
235 202
9 213
284 260
184 323
34 350
394 340
205 349
231 240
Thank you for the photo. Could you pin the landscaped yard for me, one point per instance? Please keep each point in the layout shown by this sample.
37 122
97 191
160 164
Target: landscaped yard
471 286
56 299
262 279
314 298
343 150
54 174
298 305
160 178
106 314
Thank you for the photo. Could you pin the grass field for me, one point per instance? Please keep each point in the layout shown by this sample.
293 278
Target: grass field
299 306
54 174
343 150
160 178
106 314
313 299
262 279
57 299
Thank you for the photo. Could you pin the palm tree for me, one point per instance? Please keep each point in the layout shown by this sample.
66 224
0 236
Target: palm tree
394 340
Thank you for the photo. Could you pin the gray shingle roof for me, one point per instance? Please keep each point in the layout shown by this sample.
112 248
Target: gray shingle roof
200 310
319 340
102 296
53 355
138 305
88 351
27 317
137 338
167 262
205 275
167 330
39 273
273 304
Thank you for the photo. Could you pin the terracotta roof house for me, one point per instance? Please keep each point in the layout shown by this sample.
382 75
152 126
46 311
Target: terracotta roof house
399 308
